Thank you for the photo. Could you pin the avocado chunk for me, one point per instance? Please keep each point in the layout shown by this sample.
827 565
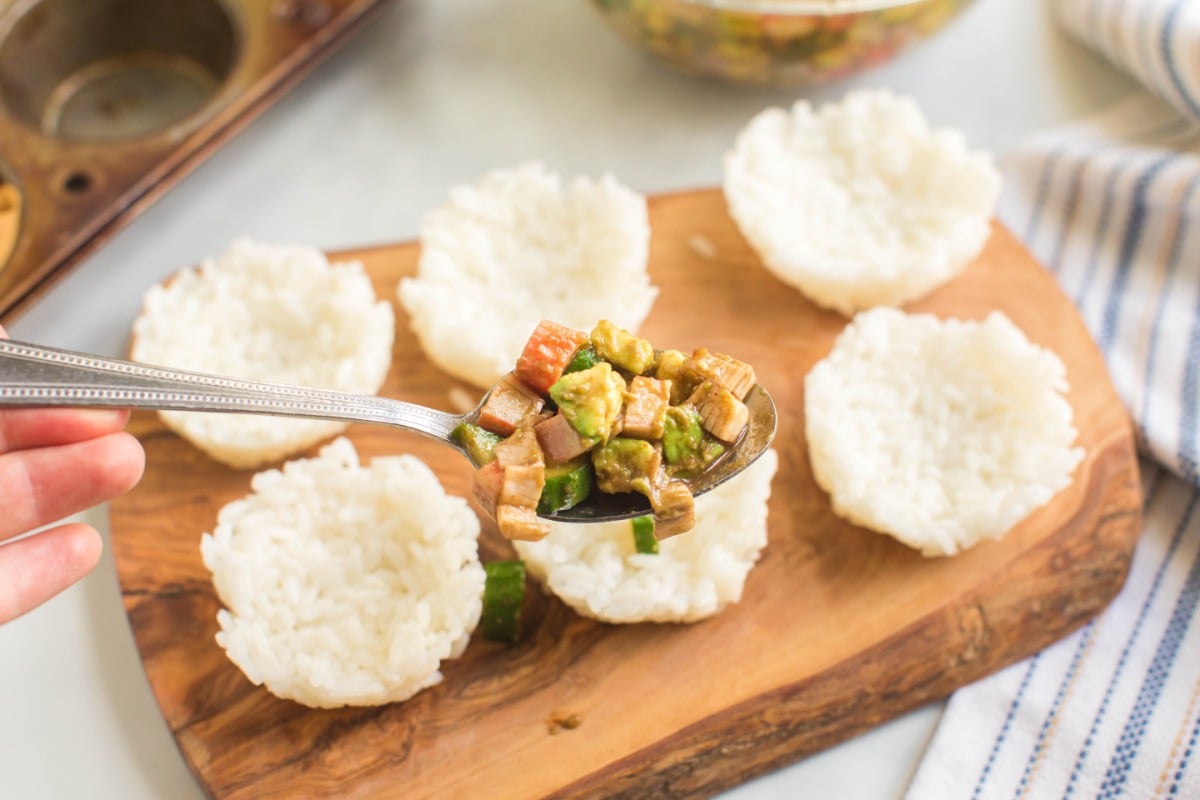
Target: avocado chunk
682 434
687 449
591 400
626 465
672 366
622 348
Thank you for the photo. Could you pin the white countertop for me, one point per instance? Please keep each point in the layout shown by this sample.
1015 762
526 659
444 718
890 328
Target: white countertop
430 95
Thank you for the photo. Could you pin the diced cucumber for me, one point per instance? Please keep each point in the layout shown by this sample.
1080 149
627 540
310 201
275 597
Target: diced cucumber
644 540
503 595
585 358
567 485
480 444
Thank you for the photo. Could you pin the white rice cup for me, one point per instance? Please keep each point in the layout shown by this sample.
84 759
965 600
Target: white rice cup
274 313
940 433
859 203
345 584
518 247
596 570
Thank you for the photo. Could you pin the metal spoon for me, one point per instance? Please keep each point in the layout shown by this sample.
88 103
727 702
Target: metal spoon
36 376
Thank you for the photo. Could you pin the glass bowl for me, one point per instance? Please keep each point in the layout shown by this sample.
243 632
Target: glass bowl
781 43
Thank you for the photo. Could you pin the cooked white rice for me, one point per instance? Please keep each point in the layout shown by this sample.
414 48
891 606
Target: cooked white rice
939 433
596 571
516 248
860 203
345 584
273 313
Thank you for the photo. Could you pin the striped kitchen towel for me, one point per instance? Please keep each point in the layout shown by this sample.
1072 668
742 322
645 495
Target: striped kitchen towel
1112 206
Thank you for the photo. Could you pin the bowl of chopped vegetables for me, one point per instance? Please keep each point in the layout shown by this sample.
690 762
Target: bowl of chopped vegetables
782 43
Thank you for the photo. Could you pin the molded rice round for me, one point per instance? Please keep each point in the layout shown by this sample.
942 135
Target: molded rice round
518 247
273 313
345 584
596 571
939 433
860 203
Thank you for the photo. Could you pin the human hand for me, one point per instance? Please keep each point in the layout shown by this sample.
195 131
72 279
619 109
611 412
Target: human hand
54 463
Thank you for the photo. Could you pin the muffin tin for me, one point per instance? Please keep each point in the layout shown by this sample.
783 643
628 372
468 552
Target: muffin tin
105 104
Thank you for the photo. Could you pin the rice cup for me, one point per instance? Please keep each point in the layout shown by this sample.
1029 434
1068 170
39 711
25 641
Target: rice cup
275 313
345 584
940 433
861 202
518 247
596 570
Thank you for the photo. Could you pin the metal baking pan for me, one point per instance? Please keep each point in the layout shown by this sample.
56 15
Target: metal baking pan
105 104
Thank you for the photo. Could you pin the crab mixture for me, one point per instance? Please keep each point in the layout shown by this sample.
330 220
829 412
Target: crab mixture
602 412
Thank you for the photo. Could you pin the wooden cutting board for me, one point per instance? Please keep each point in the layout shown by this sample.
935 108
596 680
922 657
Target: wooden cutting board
839 628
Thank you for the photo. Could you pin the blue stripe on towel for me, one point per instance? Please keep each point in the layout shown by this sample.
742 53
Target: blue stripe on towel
1074 190
1174 258
1151 494
1156 676
1130 242
1008 719
1077 658
1188 751
1085 638
1167 43
1190 398
1042 191
1103 224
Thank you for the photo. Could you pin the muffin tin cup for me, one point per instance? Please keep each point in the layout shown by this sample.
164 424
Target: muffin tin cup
104 104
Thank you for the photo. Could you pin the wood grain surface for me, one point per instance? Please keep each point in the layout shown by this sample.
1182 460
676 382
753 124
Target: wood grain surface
839 628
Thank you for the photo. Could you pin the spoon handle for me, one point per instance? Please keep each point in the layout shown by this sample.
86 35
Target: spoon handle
37 376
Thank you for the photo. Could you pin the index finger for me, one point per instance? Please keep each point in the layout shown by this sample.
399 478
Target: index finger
21 429
47 484
26 428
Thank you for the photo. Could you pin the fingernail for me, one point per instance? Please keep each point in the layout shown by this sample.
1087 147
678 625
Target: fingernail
102 417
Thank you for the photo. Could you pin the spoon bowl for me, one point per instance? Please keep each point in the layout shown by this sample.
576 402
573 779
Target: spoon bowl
37 376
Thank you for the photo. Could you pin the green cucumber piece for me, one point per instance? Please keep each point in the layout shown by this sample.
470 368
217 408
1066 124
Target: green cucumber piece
503 595
585 358
682 435
644 540
480 444
567 485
